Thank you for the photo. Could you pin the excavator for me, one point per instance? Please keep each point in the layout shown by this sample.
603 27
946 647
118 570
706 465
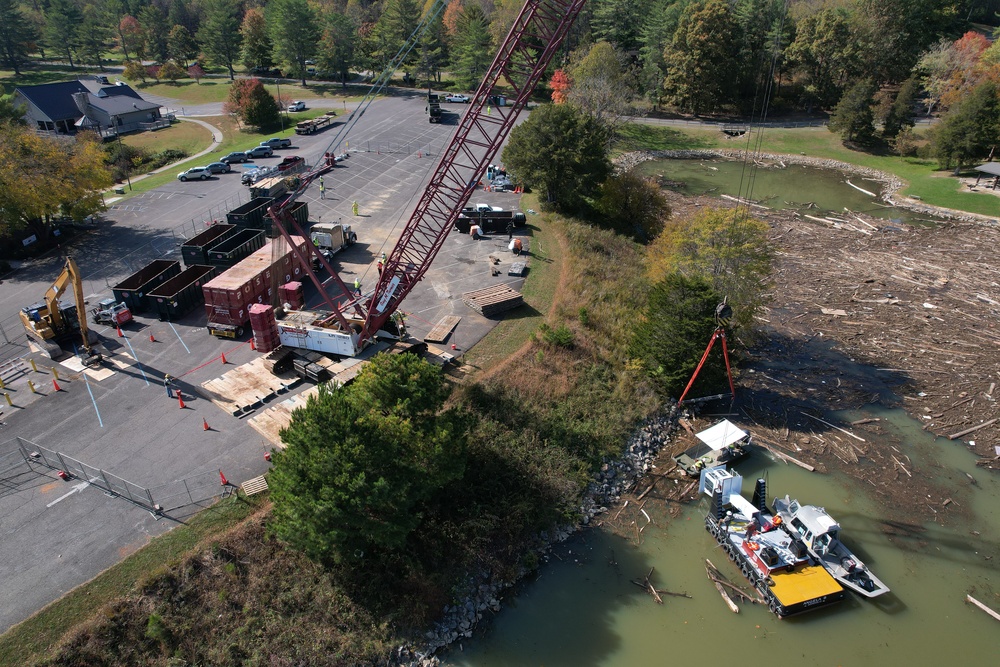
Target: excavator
48 323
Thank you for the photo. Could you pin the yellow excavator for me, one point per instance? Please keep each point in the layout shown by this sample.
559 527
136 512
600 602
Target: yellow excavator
48 323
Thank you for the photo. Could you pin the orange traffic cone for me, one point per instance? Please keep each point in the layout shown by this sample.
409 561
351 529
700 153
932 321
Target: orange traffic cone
204 424
253 345
120 334
180 400
224 358
225 482
267 456
55 385
151 338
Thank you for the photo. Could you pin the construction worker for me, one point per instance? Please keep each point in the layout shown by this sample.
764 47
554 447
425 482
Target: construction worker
383 258
166 384
380 268
357 286
322 189
354 207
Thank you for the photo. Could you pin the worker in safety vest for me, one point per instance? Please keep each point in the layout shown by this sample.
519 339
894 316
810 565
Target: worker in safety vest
357 286
354 207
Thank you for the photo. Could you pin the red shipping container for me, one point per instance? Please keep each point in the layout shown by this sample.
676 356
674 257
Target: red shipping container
232 293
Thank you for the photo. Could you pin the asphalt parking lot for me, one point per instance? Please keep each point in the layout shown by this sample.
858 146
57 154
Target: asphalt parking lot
56 534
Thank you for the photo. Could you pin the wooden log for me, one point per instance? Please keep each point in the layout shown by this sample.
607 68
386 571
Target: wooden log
867 192
643 494
652 589
969 598
955 436
725 596
782 455
856 437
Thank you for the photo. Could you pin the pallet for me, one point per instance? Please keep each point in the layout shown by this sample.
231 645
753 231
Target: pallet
442 329
247 387
491 301
252 487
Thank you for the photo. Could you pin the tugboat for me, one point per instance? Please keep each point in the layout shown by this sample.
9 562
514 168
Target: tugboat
773 560
821 535
723 443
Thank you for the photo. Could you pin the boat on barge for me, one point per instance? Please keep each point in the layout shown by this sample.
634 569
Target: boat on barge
775 562
821 535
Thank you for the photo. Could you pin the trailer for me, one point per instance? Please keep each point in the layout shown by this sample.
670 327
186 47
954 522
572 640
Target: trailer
133 290
228 296
195 250
250 214
332 236
274 186
314 125
236 247
178 296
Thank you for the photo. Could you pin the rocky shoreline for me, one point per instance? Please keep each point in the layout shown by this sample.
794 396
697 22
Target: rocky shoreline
616 477
891 184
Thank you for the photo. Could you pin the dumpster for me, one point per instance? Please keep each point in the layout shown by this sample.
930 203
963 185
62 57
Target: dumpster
179 295
133 290
195 250
236 247
251 214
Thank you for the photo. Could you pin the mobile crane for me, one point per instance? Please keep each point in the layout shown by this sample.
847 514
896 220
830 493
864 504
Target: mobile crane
354 319
48 322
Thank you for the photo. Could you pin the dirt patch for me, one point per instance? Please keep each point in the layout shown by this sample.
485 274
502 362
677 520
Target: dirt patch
866 312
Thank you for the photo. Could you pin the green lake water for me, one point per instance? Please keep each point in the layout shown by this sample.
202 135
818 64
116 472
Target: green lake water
582 610
810 190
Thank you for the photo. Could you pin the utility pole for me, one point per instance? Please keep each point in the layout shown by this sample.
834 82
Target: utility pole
120 155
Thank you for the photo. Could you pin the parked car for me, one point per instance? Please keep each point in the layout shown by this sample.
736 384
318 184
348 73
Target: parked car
297 105
277 142
235 156
219 168
251 176
260 151
289 162
200 173
455 97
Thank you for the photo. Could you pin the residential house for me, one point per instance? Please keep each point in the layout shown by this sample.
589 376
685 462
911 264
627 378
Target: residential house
69 106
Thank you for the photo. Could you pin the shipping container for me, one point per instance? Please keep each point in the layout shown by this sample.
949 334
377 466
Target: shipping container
133 290
228 297
195 250
236 247
178 296
250 214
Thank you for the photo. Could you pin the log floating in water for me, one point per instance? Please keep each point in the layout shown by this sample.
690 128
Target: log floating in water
722 591
867 192
955 436
856 437
979 604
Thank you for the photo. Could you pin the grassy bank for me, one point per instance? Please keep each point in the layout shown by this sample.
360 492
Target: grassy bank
925 180
30 641
540 425
183 136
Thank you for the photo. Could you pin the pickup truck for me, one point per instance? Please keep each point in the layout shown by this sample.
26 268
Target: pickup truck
480 208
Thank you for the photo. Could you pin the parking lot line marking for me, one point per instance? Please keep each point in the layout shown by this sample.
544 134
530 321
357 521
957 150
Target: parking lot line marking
93 400
178 336
137 362
77 488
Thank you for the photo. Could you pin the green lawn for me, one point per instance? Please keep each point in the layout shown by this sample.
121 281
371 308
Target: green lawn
188 137
26 643
925 180
215 90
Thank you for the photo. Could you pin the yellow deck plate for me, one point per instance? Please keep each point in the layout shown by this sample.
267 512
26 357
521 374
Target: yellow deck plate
807 583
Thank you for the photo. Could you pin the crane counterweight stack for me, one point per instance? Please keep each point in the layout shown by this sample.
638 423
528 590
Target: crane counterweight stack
534 37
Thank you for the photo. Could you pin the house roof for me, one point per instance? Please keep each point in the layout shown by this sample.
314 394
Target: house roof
992 168
55 100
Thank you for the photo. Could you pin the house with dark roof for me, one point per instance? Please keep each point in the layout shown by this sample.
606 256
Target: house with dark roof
69 106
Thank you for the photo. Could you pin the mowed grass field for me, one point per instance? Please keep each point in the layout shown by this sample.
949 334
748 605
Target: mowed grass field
925 180
184 136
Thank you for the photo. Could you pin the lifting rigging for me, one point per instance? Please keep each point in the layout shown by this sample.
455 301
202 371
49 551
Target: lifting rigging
534 37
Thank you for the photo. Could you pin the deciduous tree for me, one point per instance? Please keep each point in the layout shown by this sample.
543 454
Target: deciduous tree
561 151
171 72
970 131
336 46
633 205
560 85
135 71
825 51
603 86
130 37
220 34
257 51
727 247
701 57
294 32
363 459
251 104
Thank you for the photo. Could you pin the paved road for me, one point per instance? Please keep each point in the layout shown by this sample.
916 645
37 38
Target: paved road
56 536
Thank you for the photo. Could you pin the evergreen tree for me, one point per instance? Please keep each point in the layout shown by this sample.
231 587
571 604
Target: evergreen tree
258 49
900 114
562 152
363 460
294 32
154 33
179 14
93 36
620 22
470 54
336 47
392 31
220 34
757 28
825 51
62 28
657 32
16 35
854 116
432 51
970 131
701 58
